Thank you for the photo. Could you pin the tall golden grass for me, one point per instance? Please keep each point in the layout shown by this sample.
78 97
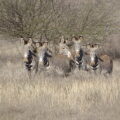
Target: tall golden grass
46 97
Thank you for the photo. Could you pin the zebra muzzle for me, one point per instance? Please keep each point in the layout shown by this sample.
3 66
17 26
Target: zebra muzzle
25 60
92 63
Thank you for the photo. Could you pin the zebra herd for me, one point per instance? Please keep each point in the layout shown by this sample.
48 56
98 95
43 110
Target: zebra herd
72 55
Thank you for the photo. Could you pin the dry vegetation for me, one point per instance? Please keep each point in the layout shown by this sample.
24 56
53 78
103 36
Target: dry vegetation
95 19
80 96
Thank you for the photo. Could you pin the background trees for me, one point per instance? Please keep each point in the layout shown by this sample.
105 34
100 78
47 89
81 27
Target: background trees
49 19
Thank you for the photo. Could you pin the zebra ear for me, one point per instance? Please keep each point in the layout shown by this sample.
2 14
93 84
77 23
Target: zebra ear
30 41
76 39
99 45
80 38
88 46
96 46
62 40
45 43
24 41
21 41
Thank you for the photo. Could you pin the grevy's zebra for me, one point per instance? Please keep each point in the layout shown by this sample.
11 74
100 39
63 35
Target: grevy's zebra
103 63
88 60
37 54
78 52
61 63
30 55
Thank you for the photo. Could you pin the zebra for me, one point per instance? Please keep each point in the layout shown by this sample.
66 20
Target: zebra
103 63
76 51
62 64
30 55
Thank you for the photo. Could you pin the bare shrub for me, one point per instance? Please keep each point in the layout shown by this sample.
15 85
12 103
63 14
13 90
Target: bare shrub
49 19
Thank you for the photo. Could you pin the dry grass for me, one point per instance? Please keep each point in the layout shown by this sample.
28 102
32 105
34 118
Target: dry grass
81 96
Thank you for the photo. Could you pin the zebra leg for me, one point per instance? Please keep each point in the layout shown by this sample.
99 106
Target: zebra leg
28 68
99 69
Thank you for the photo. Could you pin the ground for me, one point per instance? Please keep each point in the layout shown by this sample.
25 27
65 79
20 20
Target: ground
81 96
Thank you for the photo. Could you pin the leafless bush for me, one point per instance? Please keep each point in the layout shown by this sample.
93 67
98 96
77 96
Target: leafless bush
25 17
42 18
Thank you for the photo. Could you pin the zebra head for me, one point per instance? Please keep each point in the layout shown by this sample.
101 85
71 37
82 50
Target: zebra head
64 49
30 55
65 42
77 43
78 49
61 44
29 48
93 54
43 53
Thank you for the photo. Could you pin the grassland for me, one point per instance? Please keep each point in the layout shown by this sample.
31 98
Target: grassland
81 96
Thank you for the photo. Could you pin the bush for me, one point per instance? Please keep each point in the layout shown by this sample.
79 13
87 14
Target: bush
50 19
